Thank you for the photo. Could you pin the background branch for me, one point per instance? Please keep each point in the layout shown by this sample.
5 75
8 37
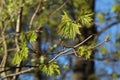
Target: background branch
34 15
3 62
18 25
51 14
108 27
15 74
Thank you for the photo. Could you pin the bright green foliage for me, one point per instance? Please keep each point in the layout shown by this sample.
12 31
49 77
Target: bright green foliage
85 17
17 58
50 69
31 36
22 37
42 59
23 53
68 28
85 51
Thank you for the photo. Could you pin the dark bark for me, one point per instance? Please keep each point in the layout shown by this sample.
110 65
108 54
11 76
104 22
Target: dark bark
84 69
36 55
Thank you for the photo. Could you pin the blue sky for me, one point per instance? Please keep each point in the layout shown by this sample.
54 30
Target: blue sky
104 6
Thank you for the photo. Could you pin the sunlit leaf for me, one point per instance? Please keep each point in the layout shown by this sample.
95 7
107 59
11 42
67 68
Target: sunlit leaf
17 58
85 17
22 37
50 69
42 59
85 51
67 28
32 36
22 54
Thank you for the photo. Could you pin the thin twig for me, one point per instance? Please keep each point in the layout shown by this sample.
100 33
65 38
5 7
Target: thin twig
99 44
58 8
83 41
75 52
61 53
3 62
14 67
18 25
15 74
25 66
34 15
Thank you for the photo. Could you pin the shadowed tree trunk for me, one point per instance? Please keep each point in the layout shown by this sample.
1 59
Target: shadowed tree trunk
84 69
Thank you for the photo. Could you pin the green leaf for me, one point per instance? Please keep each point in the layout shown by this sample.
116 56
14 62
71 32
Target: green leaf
22 37
67 28
65 18
22 54
85 17
42 59
85 51
32 36
50 69
17 58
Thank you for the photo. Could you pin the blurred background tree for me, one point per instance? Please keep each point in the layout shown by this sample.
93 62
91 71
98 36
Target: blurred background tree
54 40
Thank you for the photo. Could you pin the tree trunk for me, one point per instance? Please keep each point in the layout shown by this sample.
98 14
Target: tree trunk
84 69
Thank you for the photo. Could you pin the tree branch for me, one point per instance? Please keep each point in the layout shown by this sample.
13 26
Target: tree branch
61 53
83 41
18 25
109 26
3 62
15 74
34 15
58 8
